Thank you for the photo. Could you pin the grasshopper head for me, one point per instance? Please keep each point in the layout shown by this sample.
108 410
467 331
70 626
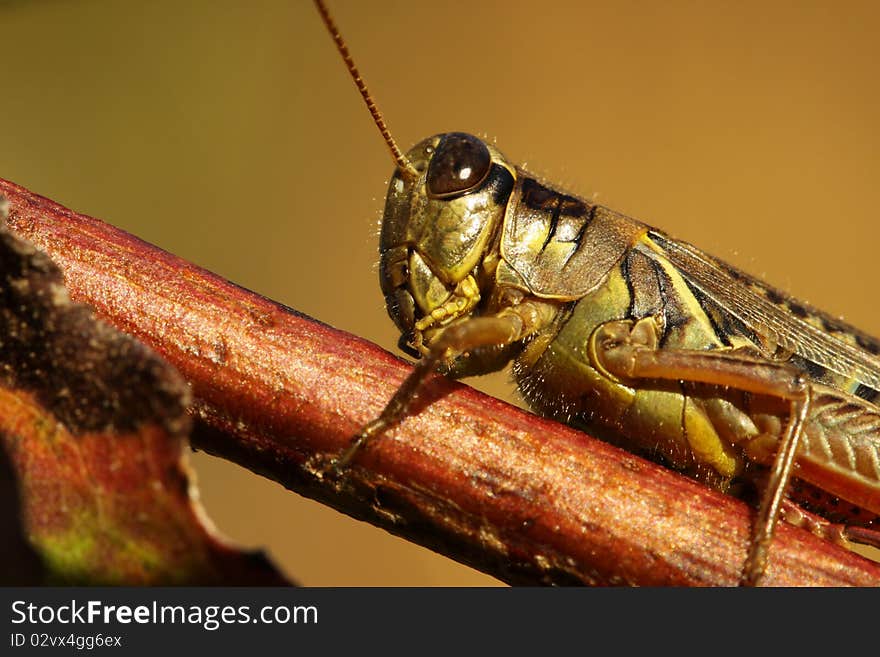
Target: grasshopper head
437 230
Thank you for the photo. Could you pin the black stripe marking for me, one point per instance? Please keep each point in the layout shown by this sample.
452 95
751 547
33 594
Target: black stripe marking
816 371
866 393
773 296
797 309
673 315
554 223
583 229
624 271
501 182
722 332
868 344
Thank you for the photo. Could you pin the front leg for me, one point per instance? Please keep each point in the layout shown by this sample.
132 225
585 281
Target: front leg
629 351
510 325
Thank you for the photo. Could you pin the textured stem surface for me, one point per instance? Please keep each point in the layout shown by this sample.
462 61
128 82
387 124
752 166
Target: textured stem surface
524 499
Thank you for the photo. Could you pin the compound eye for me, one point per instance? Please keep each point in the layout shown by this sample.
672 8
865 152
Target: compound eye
460 163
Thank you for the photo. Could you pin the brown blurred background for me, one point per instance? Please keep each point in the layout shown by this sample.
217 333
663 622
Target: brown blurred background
746 128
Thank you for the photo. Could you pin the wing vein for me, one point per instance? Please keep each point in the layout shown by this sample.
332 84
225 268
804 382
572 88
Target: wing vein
769 319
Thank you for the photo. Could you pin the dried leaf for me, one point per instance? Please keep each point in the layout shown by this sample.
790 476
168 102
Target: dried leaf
94 426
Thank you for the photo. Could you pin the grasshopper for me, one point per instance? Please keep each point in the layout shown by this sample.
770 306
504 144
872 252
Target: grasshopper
617 328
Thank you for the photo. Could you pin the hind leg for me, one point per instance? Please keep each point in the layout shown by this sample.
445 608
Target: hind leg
837 532
629 351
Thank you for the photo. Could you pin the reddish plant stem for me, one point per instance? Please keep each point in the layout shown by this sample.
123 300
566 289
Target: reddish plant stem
521 498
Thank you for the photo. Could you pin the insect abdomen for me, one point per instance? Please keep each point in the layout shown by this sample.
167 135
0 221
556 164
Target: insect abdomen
657 420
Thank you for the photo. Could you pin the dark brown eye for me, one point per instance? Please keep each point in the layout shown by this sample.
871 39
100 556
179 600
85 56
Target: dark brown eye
460 163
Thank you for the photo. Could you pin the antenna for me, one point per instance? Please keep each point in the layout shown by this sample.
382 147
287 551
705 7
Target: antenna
407 169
